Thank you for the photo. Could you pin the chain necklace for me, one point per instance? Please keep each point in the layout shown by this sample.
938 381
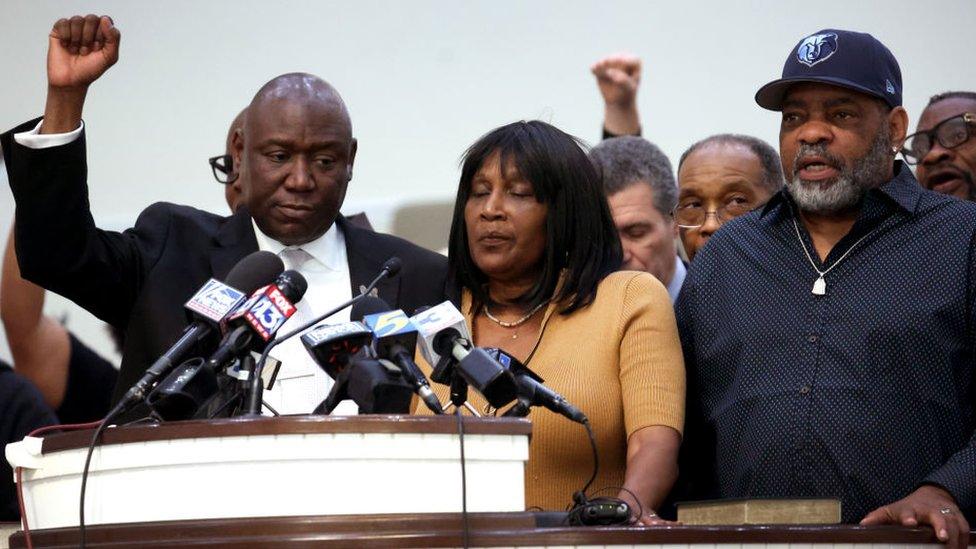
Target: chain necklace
515 323
820 285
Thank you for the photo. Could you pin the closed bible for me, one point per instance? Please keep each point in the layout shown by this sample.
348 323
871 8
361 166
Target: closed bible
759 511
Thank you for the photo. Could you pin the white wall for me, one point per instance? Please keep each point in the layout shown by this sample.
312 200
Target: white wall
423 79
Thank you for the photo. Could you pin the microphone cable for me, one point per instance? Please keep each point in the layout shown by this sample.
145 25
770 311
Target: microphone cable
580 512
19 473
465 532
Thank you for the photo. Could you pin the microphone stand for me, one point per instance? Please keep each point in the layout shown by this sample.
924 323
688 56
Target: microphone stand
256 392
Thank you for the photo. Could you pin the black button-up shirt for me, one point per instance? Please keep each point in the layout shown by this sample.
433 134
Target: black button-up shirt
863 393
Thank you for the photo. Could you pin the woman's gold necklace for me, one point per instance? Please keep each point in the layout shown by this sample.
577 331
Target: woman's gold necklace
514 323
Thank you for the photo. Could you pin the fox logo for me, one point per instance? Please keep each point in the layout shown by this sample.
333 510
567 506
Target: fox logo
816 48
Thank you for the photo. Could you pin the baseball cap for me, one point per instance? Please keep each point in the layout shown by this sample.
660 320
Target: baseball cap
854 60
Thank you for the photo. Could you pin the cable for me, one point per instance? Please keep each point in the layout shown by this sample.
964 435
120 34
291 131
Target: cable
84 479
602 511
464 483
20 470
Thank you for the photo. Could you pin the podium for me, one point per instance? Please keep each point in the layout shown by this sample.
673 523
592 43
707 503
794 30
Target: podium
265 467
353 481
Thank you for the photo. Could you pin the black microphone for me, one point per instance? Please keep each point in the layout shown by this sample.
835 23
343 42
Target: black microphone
532 392
188 388
446 343
390 269
207 308
396 340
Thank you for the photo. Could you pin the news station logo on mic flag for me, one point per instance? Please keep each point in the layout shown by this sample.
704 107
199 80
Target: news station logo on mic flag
271 310
389 323
215 300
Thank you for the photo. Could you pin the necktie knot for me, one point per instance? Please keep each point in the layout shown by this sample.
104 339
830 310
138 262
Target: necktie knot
294 258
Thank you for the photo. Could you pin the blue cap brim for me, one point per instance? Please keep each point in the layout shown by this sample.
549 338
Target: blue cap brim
771 95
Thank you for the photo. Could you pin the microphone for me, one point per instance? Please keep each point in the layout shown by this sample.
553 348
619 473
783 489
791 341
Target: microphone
207 308
390 269
532 392
447 341
253 324
396 339
181 394
333 346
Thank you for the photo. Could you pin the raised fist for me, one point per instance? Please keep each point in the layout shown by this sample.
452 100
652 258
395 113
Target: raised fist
80 50
618 77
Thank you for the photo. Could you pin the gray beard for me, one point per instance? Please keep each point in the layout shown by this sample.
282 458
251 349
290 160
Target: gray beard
845 191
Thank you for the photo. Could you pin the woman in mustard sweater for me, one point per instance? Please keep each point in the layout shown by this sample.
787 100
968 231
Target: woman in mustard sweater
535 251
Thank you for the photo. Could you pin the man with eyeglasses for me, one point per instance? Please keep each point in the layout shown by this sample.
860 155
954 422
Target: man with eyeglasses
296 152
719 178
828 336
943 149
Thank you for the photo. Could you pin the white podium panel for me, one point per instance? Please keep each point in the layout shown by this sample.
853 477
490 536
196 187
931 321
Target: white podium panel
266 467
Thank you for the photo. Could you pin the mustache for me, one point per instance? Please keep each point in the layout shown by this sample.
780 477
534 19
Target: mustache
818 150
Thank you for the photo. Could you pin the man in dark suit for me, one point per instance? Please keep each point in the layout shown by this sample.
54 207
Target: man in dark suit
297 151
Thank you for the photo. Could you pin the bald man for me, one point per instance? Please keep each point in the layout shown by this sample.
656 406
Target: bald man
296 151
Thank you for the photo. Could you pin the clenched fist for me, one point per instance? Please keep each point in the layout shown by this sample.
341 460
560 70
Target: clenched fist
618 77
80 50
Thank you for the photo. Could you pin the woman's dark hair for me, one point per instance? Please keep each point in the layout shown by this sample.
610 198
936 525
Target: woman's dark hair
580 235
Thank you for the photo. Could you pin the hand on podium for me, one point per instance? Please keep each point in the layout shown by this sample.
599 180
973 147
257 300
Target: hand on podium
928 505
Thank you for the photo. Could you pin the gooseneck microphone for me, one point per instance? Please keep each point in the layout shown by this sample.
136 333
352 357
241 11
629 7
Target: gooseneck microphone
207 308
390 269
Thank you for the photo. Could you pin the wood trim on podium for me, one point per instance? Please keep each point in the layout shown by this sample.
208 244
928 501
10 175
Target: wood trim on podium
444 530
287 425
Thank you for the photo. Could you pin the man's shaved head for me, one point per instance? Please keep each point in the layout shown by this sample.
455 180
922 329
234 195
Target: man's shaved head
303 87
296 154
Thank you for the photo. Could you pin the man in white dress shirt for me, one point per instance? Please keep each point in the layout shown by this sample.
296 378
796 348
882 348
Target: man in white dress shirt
296 150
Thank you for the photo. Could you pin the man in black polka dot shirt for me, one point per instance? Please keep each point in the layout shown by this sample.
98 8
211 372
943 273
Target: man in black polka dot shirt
829 336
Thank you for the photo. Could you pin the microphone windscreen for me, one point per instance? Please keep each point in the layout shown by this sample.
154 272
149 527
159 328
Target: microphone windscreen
254 271
368 305
292 284
392 266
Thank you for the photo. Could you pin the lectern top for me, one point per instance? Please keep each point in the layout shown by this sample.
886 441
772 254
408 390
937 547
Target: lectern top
285 425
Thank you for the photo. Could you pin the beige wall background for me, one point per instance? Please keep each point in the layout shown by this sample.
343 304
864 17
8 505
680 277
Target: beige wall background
423 79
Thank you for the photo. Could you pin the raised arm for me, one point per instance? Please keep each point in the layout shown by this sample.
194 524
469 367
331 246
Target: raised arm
618 77
39 344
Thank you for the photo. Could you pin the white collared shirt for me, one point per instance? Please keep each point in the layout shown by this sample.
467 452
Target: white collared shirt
300 384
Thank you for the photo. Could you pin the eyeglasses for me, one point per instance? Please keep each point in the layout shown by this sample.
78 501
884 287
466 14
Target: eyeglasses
223 169
693 216
950 133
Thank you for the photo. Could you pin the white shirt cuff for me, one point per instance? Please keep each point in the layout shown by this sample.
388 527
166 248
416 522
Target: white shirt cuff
33 139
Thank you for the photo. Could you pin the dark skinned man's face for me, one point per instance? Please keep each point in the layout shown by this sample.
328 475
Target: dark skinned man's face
297 157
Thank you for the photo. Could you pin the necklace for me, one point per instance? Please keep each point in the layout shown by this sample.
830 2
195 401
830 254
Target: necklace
516 323
820 285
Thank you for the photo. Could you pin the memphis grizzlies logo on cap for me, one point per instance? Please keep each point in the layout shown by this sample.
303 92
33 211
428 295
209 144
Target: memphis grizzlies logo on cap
816 48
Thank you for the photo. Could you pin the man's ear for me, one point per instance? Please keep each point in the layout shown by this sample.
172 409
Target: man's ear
898 124
353 147
237 148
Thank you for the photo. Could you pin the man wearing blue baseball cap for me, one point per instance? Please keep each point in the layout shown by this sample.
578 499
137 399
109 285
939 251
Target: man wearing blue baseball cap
836 359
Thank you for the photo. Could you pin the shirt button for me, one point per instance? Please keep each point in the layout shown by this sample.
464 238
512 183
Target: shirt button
805 389
812 338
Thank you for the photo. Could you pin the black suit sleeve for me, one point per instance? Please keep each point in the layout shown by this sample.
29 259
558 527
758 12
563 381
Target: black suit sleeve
58 245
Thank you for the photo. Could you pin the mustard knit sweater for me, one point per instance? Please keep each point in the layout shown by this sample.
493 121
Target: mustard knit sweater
619 361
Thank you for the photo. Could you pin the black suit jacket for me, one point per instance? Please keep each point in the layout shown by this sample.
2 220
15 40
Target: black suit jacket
138 280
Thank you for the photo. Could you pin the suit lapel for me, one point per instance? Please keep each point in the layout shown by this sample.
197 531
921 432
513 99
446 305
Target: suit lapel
233 241
365 264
